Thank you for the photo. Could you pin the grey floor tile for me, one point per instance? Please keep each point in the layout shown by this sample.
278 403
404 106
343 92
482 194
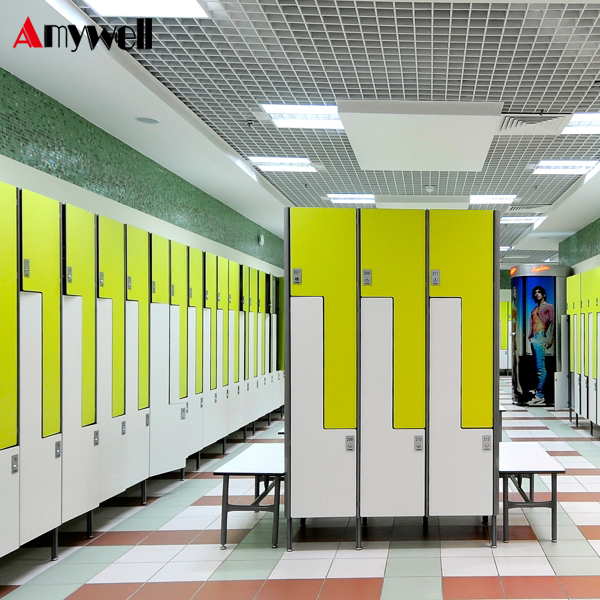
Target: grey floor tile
412 588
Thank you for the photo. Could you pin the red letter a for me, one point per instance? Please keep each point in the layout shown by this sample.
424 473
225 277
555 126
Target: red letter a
28 36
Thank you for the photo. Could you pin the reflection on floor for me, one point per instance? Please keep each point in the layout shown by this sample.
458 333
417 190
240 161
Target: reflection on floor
169 549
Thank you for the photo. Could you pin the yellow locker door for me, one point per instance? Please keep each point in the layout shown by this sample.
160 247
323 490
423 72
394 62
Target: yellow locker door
8 321
179 297
210 301
40 239
595 308
223 304
573 300
393 249
587 283
246 310
160 265
262 309
138 289
469 275
323 246
111 284
253 305
234 305
197 300
80 259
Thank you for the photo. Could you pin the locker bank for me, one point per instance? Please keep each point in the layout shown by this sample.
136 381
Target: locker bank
319 259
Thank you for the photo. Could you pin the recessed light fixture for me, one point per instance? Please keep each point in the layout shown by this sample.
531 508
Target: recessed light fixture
149 8
304 116
592 173
551 260
538 222
505 248
508 199
583 124
519 220
146 120
520 257
564 167
282 163
352 198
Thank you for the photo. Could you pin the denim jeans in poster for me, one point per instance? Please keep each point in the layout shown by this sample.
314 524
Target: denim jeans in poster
538 347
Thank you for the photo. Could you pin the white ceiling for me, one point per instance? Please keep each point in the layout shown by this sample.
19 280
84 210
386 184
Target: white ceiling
205 81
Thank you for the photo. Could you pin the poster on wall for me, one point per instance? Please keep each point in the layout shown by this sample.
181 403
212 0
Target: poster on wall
534 348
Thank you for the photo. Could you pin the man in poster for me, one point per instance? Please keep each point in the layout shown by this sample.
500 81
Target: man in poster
541 336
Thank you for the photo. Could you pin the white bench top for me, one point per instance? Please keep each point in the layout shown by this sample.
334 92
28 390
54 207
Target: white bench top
527 457
259 459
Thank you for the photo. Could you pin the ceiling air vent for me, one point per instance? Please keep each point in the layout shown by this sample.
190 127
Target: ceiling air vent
533 124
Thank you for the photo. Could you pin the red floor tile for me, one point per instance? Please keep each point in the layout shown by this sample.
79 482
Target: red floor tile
102 591
178 537
576 497
229 590
290 589
120 538
7 589
181 590
210 501
351 589
519 532
234 536
563 453
576 472
591 532
469 588
581 587
532 587
206 475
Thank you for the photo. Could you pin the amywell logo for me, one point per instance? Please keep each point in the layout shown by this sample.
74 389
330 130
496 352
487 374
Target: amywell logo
69 36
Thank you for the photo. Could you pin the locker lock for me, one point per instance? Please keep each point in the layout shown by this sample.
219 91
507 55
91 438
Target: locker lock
69 274
215 397
418 443
96 437
486 442
14 463
123 427
57 450
350 443
182 413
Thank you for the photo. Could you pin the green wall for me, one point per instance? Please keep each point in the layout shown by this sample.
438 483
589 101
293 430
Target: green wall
504 279
42 133
580 246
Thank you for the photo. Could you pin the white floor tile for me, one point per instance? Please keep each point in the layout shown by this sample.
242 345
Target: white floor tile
316 568
455 549
523 565
483 566
519 548
211 552
581 507
158 553
187 571
237 521
595 544
369 550
183 524
585 518
127 573
350 568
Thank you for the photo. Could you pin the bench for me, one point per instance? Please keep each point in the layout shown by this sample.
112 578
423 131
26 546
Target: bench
526 459
265 462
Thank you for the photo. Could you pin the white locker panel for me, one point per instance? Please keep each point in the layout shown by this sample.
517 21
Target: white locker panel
236 407
40 468
136 442
194 416
81 458
174 355
166 419
9 501
575 377
591 387
274 342
460 471
113 480
583 404
398 487
215 415
504 359
318 455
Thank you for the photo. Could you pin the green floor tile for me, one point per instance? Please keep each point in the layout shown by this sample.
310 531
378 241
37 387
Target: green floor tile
546 519
575 565
160 510
412 588
244 569
141 524
565 532
568 548
31 591
96 554
64 572
256 552
402 551
416 567
181 501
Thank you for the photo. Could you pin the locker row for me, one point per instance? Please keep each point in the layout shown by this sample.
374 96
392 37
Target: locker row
583 313
393 361
123 353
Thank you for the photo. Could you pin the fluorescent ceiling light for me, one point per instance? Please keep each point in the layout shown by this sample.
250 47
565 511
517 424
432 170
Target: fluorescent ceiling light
304 116
521 257
564 167
520 220
509 199
352 198
505 248
278 163
149 8
583 124
538 222
592 172
551 260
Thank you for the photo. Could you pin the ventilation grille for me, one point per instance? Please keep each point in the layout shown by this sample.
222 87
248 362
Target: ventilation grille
533 124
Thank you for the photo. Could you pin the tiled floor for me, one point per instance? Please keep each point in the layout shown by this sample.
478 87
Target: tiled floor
170 549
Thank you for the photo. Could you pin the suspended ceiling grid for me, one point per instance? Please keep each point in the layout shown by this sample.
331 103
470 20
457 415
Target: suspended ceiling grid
533 58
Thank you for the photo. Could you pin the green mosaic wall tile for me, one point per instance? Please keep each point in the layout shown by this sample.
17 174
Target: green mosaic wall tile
580 246
504 279
42 133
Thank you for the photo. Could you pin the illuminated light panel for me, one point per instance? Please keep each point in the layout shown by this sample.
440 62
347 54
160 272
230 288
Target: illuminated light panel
304 116
538 222
564 167
583 124
519 220
507 199
149 8
287 164
505 248
352 198
592 173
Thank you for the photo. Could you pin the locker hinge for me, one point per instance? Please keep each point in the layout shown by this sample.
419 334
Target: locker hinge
191 293
172 289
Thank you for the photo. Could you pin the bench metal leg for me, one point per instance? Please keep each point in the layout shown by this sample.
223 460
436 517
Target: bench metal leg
358 533
554 508
289 534
275 538
531 487
505 508
224 502
90 524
